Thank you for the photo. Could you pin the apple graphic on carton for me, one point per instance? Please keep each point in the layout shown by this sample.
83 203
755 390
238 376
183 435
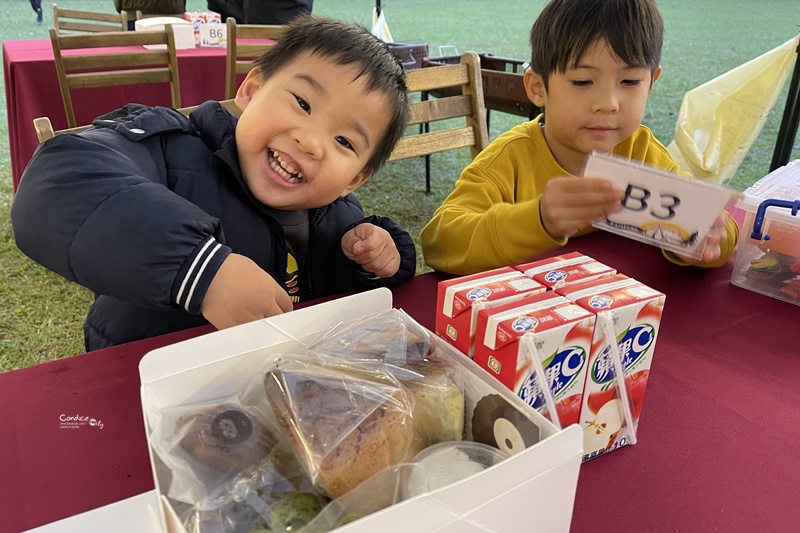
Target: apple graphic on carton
569 409
601 432
598 399
636 384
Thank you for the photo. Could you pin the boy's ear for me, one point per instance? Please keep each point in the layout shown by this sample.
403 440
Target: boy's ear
656 74
534 87
247 89
360 179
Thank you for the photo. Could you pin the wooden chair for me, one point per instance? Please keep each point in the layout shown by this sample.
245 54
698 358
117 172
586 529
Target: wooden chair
44 128
88 21
123 66
467 103
242 54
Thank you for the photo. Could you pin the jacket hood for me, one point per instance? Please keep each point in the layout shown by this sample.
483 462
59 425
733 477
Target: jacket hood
214 124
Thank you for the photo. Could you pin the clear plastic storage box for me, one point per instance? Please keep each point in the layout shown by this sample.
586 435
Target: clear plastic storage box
768 257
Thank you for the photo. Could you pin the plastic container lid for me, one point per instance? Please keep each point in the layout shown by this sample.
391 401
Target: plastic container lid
447 462
781 184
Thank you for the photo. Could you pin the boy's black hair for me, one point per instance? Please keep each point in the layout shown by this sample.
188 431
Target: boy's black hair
348 44
565 29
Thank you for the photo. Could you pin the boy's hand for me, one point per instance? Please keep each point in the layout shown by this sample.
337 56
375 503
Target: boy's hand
714 237
242 292
373 248
570 204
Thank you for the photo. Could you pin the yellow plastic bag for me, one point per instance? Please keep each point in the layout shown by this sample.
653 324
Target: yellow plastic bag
719 120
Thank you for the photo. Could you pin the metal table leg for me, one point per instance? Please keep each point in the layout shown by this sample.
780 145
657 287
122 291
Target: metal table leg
791 116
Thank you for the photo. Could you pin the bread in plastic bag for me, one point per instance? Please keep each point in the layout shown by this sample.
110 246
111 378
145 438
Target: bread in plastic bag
339 420
271 494
391 337
345 422
260 499
397 344
438 411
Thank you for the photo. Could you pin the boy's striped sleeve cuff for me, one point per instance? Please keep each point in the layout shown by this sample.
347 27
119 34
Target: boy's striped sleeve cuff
202 267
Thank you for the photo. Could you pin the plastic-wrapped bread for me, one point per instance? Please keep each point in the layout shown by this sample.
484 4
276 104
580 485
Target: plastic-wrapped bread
438 407
343 427
391 337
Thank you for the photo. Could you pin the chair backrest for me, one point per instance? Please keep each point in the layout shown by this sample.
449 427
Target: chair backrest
88 21
120 64
242 50
44 128
467 103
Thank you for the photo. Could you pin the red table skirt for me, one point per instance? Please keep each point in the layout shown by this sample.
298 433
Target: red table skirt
32 91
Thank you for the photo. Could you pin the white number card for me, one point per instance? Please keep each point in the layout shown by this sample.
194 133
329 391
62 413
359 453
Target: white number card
659 208
213 35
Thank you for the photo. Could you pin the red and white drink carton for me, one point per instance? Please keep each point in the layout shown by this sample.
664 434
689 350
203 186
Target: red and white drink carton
539 334
200 18
567 269
629 312
459 299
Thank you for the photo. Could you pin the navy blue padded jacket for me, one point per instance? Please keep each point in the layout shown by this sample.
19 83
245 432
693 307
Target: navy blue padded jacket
143 208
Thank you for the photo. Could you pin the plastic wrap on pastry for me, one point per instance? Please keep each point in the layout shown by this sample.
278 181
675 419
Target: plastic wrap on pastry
391 337
382 490
345 422
393 342
259 500
225 438
209 444
285 513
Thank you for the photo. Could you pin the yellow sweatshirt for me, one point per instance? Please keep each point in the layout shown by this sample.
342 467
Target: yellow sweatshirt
491 219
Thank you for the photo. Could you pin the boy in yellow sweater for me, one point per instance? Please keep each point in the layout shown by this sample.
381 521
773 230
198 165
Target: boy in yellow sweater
593 66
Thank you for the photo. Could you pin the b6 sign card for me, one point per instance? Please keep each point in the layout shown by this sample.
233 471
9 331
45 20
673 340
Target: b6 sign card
659 208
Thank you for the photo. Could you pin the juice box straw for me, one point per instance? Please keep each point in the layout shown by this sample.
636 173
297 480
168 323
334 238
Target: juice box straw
607 323
528 343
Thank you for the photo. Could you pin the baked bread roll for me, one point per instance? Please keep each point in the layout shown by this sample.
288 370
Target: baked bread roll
224 439
438 408
343 428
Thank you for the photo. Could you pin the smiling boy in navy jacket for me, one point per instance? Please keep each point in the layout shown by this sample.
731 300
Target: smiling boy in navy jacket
174 221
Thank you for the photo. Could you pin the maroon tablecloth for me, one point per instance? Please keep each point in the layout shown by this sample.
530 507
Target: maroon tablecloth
31 85
718 439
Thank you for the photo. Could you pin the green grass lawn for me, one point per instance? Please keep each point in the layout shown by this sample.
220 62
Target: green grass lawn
41 314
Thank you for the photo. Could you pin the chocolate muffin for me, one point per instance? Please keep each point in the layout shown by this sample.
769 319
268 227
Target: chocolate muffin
224 438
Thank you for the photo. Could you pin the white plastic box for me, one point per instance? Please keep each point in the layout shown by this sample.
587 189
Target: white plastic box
768 256
182 29
532 490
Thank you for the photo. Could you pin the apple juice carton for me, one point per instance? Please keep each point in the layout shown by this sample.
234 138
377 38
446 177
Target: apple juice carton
538 335
459 299
628 320
567 269
198 18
